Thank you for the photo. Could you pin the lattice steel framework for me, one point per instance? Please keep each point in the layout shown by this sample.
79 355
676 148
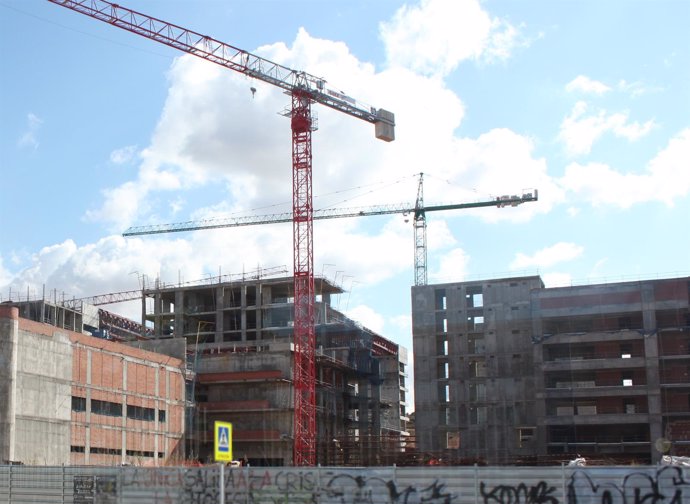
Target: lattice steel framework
304 368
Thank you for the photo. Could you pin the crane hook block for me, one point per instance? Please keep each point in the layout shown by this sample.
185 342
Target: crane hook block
385 125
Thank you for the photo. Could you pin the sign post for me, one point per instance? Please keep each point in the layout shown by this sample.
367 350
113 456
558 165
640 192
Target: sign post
222 441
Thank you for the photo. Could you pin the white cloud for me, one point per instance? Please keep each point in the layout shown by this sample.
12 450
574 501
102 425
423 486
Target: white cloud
122 205
367 317
435 36
637 88
29 138
452 267
123 155
369 257
557 280
584 84
501 162
666 178
402 323
5 275
548 256
581 129
438 234
176 205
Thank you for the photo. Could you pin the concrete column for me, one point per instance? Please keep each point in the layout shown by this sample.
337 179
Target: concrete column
87 430
179 313
243 312
651 351
9 332
123 424
220 304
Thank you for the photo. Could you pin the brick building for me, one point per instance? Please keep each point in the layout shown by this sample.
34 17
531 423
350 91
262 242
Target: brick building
71 398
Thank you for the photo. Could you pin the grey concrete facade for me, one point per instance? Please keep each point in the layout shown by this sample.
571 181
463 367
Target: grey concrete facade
474 379
9 330
35 426
541 373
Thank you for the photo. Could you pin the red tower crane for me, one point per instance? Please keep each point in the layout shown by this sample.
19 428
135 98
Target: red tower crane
304 89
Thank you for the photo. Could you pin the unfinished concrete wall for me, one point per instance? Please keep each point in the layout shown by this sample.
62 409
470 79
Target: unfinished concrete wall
427 346
174 347
474 378
9 329
43 395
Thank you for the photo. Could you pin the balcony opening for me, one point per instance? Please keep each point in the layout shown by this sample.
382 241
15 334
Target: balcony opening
441 299
474 297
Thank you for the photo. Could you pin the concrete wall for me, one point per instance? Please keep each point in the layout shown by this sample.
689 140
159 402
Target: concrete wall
474 373
42 394
174 347
9 330
337 485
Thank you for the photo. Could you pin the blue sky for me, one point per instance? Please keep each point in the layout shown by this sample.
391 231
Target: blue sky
586 101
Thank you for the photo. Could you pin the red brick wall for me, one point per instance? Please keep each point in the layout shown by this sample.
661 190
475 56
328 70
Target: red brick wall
110 362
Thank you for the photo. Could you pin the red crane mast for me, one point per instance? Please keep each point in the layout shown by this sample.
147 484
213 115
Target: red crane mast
304 89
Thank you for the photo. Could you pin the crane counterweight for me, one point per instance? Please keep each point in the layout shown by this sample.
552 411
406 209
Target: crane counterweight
385 125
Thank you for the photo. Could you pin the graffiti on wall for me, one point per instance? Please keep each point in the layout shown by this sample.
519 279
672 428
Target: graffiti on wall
664 485
667 486
541 493
330 486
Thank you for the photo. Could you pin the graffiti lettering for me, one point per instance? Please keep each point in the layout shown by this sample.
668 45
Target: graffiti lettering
291 481
667 486
349 489
521 494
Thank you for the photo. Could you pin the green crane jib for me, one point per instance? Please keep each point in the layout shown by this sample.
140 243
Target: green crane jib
327 213
417 210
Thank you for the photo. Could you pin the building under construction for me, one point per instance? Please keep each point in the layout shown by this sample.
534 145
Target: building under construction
240 355
69 397
509 371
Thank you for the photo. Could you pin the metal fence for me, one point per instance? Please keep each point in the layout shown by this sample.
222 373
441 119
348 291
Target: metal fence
390 485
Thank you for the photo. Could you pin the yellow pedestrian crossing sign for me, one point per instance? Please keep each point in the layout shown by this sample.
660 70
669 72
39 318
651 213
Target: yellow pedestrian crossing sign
222 441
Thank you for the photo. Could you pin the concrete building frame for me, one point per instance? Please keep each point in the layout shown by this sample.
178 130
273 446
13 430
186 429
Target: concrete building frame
508 371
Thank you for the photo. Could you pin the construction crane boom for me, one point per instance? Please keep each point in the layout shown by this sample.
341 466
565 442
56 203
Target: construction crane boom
104 299
418 212
304 89
233 58
322 214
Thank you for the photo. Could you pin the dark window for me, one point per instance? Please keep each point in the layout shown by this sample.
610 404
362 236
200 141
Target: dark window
76 449
105 451
106 408
140 413
625 323
78 403
137 453
161 415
